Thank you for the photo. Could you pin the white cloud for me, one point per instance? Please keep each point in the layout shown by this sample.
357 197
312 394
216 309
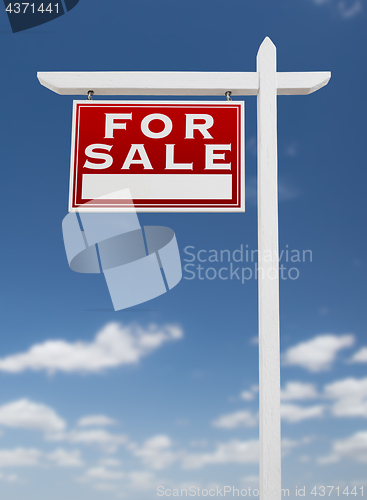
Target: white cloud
249 395
290 444
66 458
349 9
298 391
100 437
32 457
104 474
110 462
95 421
353 447
242 418
156 452
199 443
20 457
350 395
143 481
295 413
319 353
9 478
348 398
113 346
107 441
240 452
360 356
26 414
345 8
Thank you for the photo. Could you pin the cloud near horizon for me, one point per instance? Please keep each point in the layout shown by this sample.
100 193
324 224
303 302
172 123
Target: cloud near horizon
107 441
114 345
353 448
96 421
33 457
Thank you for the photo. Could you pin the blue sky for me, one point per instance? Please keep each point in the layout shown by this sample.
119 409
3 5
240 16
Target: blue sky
86 411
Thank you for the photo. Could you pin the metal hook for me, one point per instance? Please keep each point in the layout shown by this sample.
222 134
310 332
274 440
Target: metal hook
90 95
228 95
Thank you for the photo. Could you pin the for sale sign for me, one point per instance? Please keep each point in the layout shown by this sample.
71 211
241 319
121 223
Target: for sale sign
172 156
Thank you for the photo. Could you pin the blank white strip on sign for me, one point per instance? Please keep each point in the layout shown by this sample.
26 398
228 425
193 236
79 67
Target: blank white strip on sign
158 186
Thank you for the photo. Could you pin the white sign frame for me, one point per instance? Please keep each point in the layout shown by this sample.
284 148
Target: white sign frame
185 208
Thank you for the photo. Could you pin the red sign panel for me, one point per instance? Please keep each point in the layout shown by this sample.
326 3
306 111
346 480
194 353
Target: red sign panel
172 156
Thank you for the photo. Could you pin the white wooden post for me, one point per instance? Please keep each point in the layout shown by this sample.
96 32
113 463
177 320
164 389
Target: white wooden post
266 83
268 275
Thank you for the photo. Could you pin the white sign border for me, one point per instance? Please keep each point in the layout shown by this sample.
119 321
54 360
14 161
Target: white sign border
185 209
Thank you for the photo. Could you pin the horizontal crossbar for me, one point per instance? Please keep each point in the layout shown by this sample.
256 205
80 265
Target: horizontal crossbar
177 83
